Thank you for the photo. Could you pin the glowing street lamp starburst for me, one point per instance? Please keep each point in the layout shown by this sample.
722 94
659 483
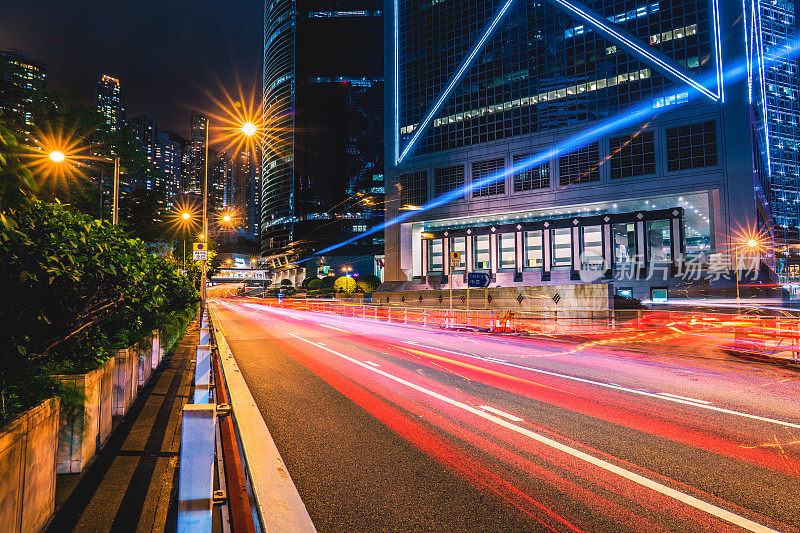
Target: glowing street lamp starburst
237 124
58 156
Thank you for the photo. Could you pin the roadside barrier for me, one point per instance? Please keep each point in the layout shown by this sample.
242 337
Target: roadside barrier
768 337
255 490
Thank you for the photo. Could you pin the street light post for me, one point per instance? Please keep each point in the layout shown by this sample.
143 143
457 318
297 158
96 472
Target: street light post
750 244
59 157
205 215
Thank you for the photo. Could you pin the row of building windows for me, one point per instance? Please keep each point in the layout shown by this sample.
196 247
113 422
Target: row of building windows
688 147
658 247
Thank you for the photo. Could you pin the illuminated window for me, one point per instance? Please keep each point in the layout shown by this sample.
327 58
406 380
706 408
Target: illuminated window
481 252
533 249
659 241
435 255
561 247
624 242
459 244
592 246
507 244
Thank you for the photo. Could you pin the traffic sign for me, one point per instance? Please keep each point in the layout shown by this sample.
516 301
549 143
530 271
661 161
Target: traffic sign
199 246
478 279
455 260
200 255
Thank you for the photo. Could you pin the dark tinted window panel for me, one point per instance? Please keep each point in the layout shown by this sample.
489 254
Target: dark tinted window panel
485 169
632 155
580 166
692 146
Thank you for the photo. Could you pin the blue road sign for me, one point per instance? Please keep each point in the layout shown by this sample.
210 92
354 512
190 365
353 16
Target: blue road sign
478 279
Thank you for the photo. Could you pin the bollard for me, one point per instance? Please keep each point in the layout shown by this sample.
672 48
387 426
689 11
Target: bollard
202 375
405 316
424 317
491 321
196 473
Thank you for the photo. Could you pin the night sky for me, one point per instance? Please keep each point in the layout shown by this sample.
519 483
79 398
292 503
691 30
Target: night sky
166 53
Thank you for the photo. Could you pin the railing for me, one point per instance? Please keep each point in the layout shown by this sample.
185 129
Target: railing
759 336
260 494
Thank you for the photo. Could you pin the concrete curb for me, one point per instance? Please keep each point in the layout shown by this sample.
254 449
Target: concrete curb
277 501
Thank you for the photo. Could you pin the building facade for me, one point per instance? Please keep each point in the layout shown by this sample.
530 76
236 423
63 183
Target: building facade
323 168
168 159
22 84
550 143
197 155
109 102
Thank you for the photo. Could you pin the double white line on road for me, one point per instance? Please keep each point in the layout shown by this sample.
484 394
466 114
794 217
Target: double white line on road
691 501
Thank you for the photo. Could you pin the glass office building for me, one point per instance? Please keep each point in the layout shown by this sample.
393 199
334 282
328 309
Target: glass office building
323 110
552 138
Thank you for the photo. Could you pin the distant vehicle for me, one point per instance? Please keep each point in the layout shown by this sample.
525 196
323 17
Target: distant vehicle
238 262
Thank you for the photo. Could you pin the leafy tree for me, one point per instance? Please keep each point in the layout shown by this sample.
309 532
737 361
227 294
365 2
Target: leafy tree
314 284
16 181
368 283
76 288
345 284
308 280
326 283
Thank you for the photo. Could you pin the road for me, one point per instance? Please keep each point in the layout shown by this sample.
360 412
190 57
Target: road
387 427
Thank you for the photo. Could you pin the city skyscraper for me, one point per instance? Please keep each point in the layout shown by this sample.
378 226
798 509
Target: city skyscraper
197 145
560 139
110 102
324 104
168 159
22 83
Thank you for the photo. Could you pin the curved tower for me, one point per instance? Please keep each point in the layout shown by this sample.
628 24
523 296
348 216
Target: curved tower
277 206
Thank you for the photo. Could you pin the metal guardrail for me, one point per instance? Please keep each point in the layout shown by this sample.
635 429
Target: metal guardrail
775 337
276 504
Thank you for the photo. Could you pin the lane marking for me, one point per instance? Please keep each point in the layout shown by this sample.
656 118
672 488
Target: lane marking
662 396
511 417
685 398
687 499
331 327
373 364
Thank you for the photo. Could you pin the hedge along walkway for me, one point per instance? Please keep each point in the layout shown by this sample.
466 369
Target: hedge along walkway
132 483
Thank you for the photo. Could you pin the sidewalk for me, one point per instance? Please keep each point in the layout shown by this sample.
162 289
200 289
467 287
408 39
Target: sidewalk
132 484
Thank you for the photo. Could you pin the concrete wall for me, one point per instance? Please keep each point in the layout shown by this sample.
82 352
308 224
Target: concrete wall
145 352
84 429
126 379
28 469
588 296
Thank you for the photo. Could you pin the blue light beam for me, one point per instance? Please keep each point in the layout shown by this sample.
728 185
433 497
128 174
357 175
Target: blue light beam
640 114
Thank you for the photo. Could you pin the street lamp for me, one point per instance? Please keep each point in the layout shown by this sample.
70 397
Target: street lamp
751 244
57 156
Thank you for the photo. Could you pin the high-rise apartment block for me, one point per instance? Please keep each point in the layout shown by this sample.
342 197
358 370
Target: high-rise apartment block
197 146
22 84
110 103
167 157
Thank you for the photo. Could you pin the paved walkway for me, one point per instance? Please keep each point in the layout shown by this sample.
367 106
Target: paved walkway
132 484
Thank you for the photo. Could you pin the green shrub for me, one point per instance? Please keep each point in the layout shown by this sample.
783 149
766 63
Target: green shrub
314 284
345 284
368 283
327 283
76 289
307 281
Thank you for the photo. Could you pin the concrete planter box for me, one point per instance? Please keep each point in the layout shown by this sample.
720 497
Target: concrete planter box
126 380
145 363
84 429
157 353
28 469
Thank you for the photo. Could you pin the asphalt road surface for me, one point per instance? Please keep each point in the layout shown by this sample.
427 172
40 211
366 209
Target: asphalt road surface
388 427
